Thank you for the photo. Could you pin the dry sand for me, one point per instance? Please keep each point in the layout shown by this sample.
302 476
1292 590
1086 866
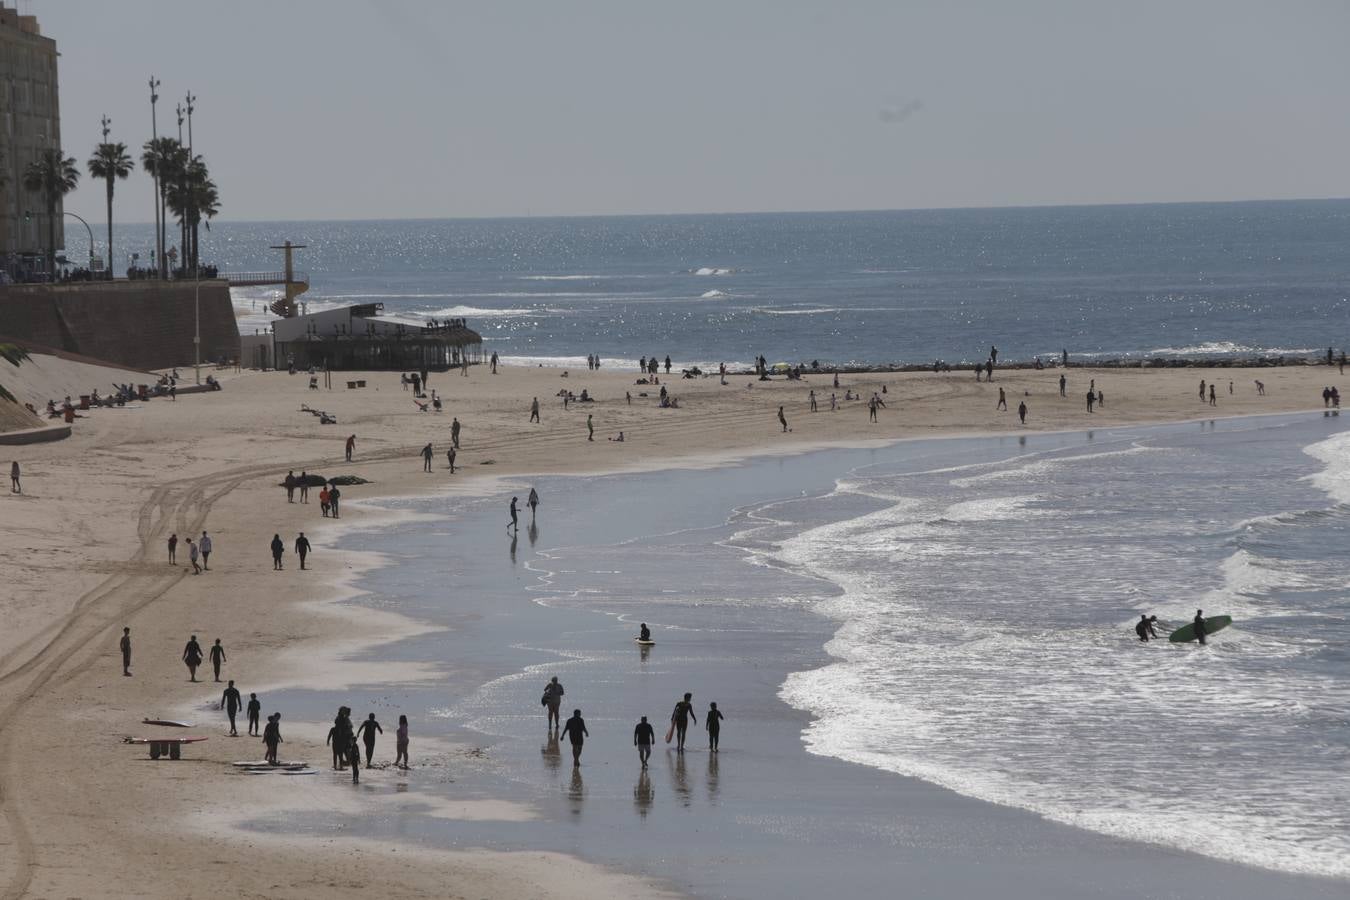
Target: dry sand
84 555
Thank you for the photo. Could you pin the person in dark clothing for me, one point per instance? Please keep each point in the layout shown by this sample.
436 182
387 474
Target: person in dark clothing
1002 401
1091 399
643 738
713 723
514 524
354 759
532 502
230 701
192 655
303 483
1022 411
553 694
173 549
302 548
426 458
14 486
367 734
644 633
782 419
290 486
454 432
340 737
575 731
272 736
450 458
1199 623
217 657
333 496
1144 627
254 708
278 548
1063 384
126 651
351 445
684 711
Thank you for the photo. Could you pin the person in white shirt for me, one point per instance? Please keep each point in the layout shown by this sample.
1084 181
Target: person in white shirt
205 545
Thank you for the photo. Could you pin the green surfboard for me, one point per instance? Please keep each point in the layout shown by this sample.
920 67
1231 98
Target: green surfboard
1212 624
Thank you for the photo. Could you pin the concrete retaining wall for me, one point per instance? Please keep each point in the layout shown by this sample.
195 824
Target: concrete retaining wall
35 435
142 324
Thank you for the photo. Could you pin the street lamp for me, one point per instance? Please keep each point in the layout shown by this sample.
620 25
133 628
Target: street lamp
91 237
197 336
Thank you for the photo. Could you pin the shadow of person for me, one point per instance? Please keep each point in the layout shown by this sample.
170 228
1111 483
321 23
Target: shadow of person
643 794
576 790
712 777
644 651
515 539
532 533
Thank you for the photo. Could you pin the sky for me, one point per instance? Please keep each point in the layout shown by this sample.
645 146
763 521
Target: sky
376 109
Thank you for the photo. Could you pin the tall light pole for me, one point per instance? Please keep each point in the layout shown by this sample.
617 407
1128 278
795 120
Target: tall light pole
154 144
192 188
197 335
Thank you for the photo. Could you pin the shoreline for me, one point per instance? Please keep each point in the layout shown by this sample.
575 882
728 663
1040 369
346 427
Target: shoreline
217 484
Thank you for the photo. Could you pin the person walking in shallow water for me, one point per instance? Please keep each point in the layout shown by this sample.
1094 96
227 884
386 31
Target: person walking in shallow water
575 731
367 734
514 524
401 743
712 723
643 738
533 503
684 711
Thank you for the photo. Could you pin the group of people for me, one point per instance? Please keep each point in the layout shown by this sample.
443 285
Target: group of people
343 739
278 548
644 735
1146 631
652 366
1331 397
199 552
329 494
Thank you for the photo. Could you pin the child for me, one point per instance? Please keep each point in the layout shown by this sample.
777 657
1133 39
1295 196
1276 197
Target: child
713 722
254 707
354 758
401 741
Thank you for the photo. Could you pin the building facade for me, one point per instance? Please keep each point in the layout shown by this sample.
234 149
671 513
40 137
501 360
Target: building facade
363 338
30 121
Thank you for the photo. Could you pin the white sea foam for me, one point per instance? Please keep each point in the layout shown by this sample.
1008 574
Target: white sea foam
815 311
713 270
713 295
481 312
1334 453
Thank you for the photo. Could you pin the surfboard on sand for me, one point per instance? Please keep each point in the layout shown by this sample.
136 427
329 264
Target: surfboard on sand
171 723
1187 632
264 764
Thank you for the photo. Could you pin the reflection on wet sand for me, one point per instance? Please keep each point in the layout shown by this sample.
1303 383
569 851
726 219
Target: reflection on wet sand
533 533
712 778
643 794
515 539
644 651
552 753
679 781
576 790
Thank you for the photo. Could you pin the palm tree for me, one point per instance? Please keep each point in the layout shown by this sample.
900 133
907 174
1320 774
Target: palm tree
110 162
53 176
195 195
163 158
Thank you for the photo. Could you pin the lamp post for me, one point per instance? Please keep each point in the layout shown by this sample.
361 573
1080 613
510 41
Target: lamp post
197 335
154 136
91 236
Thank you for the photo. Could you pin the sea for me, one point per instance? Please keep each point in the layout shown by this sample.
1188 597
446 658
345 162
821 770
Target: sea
954 612
858 288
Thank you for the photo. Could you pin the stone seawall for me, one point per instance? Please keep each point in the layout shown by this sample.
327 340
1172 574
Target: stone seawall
142 324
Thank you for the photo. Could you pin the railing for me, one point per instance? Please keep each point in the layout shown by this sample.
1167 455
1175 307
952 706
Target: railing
243 279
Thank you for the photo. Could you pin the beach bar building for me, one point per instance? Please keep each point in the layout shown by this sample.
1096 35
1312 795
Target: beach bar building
362 337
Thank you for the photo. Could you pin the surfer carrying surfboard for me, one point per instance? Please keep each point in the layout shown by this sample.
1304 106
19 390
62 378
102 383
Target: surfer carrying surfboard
553 694
1199 623
679 721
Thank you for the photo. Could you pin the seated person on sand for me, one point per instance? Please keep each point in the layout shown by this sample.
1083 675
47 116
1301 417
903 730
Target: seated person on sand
585 397
619 439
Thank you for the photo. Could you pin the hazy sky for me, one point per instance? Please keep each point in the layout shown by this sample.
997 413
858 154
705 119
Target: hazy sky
312 109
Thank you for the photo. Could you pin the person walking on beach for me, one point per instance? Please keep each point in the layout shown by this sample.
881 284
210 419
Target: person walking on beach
302 548
1063 385
643 738
1002 401
272 737
426 458
278 548
230 701
1091 399
553 694
367 734
354 759
534 410
667 364
323 500
334 495
217 657
450 458
340 736
989 370
351 445
590 427
173 549
1213 400
712 722
401 741
125 645
254 708
192 557
575 731
205 545
454 432
1144 627
1022 411
1260 388
192 655
514 524
1199 623
304 486
812 396
679 719
533 503
493 362
1202 390
289 484
993 354
14 486
782 419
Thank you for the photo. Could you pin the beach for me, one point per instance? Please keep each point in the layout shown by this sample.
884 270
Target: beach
86 815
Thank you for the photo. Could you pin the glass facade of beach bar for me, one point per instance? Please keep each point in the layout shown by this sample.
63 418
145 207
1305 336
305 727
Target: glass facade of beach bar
363 338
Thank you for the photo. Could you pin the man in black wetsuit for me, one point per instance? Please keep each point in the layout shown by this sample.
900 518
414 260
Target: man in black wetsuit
302 548
367 734
713 723
230 701
126 651
643 738
514 524
644 634
684 711
575 730
217 657
254 709
1199 623
1144 627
